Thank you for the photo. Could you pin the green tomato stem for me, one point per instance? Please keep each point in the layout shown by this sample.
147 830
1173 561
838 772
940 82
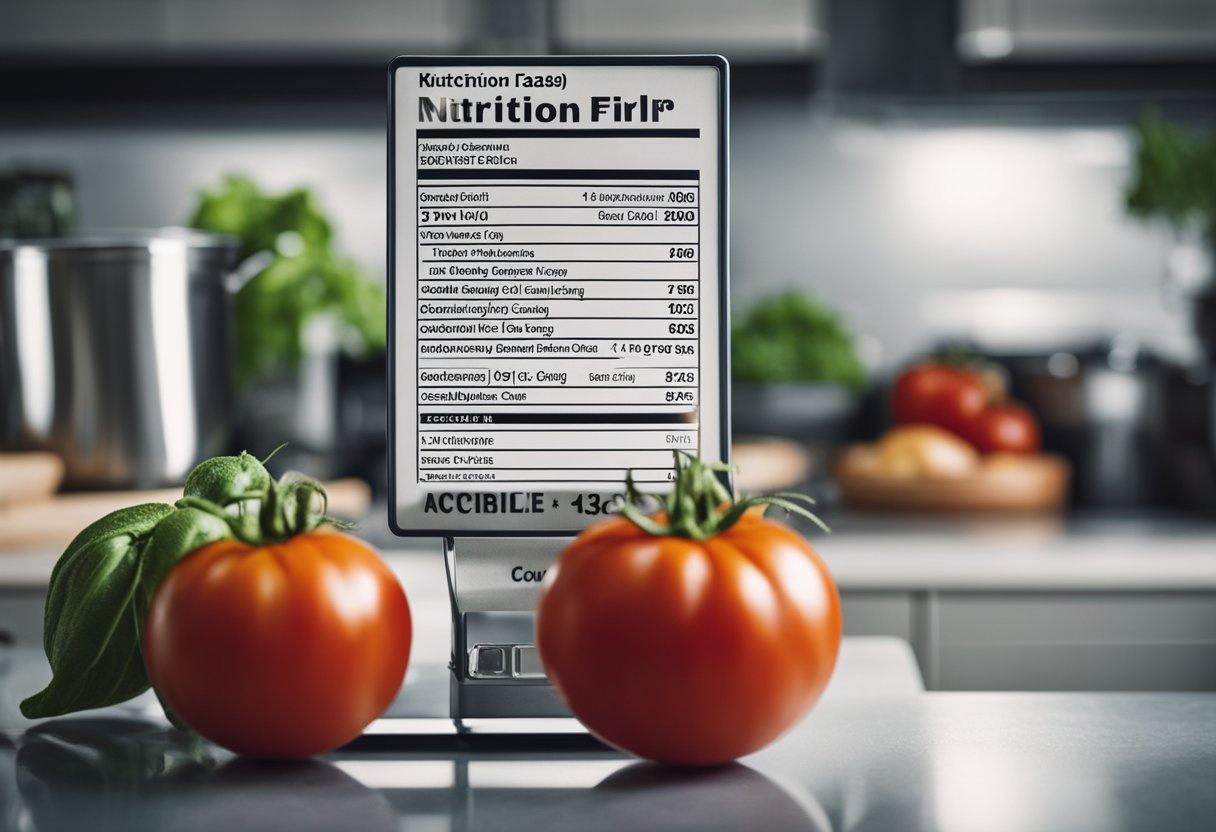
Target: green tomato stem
700 506
264 511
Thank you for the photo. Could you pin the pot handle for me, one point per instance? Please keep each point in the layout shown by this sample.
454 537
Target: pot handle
247 270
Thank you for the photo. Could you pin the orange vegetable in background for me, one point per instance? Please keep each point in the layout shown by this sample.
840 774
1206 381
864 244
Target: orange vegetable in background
694 636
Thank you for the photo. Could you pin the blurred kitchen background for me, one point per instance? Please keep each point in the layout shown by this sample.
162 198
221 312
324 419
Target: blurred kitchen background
945 171
906 178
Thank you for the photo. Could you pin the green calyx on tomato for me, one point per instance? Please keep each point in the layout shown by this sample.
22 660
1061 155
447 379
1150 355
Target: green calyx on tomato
102 585
700 506
240 491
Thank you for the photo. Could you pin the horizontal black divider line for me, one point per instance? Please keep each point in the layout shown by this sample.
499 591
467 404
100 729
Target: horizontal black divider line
671 317
522 357
553 185
490 243
566 480
560 225
457 260
554 173
491 450
429 206
560 387
550 467
561 418
458 337
560 133
426 278
477 428
533 404
660 299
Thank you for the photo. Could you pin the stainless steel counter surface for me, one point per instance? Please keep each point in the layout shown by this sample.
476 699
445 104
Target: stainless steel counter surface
1132 551
874 762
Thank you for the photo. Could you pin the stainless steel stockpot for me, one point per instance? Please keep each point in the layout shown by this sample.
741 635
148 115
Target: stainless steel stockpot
114 353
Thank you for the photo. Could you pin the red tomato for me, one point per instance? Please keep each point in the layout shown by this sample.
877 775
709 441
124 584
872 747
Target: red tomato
286 650
1008 427
937 394
685 651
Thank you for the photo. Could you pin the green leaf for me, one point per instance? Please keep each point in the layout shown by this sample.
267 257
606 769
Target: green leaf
92 628
306 278
1175 175
181 533
792 337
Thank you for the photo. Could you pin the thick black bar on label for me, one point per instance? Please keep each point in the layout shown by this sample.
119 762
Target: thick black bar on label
477 419
572 133
554 173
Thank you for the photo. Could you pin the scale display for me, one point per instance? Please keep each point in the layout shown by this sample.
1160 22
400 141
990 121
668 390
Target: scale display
556 273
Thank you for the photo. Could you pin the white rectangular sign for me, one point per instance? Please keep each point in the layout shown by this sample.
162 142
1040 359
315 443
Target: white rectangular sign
557 302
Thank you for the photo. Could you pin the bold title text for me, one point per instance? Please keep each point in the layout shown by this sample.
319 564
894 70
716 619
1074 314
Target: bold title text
514 110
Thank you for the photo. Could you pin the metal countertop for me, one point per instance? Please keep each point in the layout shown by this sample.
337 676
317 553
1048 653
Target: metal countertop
861 761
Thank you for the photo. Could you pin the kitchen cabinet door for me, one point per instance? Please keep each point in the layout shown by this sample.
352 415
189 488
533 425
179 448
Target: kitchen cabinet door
148 30
1086 30
877 614
1076 641
760 30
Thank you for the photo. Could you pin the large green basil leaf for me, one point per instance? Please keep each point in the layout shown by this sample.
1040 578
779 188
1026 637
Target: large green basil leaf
181 533
91 624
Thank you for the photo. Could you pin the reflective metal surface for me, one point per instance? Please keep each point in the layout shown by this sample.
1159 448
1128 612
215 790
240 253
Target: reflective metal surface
873 762
114 353
493 583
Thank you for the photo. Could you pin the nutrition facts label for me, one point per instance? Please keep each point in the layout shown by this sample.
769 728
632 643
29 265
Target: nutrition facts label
557 287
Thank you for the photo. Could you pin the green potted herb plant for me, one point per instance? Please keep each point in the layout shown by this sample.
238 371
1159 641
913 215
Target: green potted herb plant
794 368
308 311
1175 181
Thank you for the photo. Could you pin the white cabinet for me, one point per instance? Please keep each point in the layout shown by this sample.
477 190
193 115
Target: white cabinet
1049 641
1075 641
759 30
1082 30
143 29
767 30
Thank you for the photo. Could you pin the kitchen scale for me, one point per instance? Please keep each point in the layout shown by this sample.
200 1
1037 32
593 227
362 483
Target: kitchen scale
557 315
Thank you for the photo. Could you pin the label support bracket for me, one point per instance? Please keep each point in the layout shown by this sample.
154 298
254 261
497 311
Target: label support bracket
494 584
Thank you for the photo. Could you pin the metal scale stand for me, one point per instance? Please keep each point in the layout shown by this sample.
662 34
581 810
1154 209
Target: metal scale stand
514 147
494 583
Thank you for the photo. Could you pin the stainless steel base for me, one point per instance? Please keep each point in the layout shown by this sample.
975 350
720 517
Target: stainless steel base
494 584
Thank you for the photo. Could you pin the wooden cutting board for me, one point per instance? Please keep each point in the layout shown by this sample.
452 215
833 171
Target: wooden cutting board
769 464
53 522
29 476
